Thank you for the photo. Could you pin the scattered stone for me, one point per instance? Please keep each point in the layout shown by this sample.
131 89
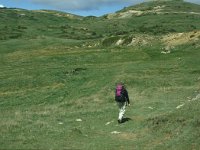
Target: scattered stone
60 123
119 42
196 98
150 107
165 52
189 98
79 120
108 123
115 132
179 106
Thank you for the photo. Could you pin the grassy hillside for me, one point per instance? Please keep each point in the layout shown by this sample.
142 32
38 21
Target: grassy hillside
157 18
160 17
19 23
57 88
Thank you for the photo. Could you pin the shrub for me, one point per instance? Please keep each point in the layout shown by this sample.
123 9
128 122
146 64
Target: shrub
110 41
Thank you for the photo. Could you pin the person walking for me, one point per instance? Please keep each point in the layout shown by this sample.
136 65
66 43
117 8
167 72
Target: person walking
122 99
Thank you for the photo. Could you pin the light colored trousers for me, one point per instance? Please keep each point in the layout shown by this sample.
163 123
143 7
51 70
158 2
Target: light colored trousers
122 106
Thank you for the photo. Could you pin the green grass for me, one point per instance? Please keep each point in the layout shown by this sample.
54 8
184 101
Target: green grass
44 90
52 74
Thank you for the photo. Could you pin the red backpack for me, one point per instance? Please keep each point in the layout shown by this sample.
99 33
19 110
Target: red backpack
119 93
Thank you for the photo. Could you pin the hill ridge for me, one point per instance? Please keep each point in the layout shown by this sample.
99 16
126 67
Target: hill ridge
145 18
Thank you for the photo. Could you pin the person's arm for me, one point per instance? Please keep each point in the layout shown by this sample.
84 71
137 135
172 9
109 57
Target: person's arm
127 97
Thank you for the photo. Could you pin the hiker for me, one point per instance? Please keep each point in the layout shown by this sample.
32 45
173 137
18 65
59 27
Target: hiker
122 99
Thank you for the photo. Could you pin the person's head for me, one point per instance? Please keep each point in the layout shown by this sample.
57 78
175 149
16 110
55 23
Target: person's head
120 83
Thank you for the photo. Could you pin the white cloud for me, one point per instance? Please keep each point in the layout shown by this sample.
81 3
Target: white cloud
83 4
1 6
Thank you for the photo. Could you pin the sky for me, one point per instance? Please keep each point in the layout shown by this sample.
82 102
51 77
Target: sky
78 7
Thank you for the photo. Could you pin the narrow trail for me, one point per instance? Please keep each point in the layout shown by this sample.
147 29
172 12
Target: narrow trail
190 100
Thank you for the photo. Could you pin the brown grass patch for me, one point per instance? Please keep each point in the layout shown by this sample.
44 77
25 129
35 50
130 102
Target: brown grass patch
175 39
127 136
52 86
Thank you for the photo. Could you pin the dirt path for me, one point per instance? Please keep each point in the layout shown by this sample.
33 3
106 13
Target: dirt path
190 100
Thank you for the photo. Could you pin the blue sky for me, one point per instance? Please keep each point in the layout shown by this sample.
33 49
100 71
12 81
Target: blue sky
79 7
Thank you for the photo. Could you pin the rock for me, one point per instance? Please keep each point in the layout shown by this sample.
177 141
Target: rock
179 106
78 120
108 123
119 42
115 132
150 107
165 52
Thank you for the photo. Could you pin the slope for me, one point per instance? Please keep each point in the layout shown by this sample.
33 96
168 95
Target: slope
20 23
56 93
157 17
